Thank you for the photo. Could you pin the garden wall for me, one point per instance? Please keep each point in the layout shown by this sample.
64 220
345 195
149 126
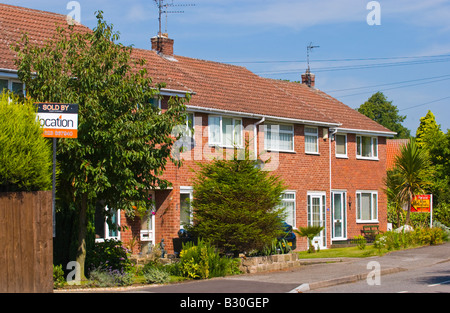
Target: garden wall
26 242
269 263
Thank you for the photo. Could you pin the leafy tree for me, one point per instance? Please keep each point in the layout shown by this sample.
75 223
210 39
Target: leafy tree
382 111
236 205
25 156
123 142
409 176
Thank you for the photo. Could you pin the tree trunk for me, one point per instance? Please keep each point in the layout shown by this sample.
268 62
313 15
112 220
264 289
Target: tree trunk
82 231
408 213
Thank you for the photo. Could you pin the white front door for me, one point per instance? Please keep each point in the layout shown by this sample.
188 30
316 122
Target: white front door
316 216
339 216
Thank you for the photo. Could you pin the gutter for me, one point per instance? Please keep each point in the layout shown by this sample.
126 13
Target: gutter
260 116
366 132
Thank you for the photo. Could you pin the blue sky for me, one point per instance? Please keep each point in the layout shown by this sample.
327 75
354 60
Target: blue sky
407 56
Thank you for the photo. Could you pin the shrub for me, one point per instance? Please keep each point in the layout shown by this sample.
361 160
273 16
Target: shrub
361 242
109 255
108 277
155 275
203 261
25 156
237 205
58 276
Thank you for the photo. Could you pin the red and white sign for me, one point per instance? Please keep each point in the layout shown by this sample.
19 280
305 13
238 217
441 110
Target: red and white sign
422 204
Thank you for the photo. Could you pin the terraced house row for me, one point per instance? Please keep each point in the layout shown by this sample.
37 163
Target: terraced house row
332 158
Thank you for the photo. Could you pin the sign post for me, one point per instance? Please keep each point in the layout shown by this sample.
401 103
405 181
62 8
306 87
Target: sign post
423 204
58 120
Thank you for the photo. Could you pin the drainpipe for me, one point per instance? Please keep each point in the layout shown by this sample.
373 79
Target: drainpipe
331 134
255 136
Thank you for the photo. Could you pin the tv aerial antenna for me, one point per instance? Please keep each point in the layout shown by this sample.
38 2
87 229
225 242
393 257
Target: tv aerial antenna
308 50
163 8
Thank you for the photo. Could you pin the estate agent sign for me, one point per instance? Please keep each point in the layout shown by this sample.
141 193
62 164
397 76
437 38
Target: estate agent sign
423 204
58 120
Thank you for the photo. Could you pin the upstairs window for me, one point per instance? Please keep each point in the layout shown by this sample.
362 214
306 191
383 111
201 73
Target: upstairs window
14 86
311 139
367 147
279 137
341 145
225 131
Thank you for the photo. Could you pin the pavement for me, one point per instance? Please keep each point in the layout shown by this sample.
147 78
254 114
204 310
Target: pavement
313 274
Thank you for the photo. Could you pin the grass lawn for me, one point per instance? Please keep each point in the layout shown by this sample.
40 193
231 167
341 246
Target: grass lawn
348 252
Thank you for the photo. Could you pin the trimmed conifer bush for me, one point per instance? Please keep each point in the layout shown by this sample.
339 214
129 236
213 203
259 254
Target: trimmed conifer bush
236 205
25 156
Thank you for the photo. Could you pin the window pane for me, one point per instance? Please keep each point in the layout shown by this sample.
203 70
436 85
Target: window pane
287 128
113 231
289 211
366 146
214 129
375 147
238 133
311 130
366 206
227 131
17 88
3 84
185 209
311 144
358 206
341 145
375 206
285 142
358 145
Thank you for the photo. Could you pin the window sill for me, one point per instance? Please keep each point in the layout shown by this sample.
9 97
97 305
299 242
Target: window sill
212 145
341 156
283 151
366 158
312 153
367 222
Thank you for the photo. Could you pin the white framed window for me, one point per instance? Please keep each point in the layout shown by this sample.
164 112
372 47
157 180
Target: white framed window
288 203
367 206
367 147
341 145
186 196
279 137
311 139
13 85
155 103
225 131
107 227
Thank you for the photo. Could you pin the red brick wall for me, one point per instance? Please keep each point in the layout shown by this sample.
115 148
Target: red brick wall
302 173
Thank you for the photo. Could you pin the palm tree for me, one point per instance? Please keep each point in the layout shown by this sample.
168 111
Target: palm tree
309 232
410 174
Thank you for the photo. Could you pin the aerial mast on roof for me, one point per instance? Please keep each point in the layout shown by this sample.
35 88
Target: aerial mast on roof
308 50
163 9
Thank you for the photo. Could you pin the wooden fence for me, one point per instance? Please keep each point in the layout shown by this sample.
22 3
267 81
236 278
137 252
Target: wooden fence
26 242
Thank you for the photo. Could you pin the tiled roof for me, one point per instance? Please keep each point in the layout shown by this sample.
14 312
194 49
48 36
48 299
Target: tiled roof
215 85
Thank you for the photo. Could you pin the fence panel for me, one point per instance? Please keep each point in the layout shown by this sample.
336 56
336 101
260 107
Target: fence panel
26 242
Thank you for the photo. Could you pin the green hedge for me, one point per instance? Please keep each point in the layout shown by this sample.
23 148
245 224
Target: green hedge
25 156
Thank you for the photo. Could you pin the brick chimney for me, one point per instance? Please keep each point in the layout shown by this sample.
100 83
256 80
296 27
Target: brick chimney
162 44
308 79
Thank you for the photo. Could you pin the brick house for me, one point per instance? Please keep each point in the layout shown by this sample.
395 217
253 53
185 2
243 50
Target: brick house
332 158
